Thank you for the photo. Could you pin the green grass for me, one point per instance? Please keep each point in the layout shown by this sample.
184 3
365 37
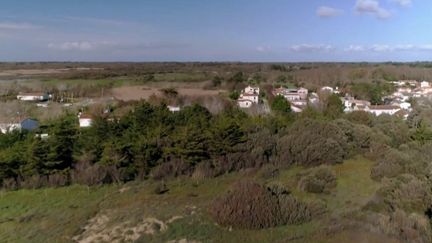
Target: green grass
354 185
39 215
56 215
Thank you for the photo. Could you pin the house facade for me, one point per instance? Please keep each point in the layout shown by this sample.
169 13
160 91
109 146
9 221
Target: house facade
378 110
174 108
352 104
26 124
292 94
85 120
7 127
243 103
33 97
248 97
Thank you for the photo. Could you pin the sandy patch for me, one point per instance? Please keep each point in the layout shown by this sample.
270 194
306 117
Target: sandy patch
99 229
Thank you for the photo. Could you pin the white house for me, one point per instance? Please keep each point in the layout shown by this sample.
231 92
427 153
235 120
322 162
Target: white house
296 109
244 103
405 105
252 90
327 89
33 96
248 97
400 83
7 127
352 104
292 94
18 125
254 98
314 98
174 108
85 120
424 84
299 103
404 90
378 110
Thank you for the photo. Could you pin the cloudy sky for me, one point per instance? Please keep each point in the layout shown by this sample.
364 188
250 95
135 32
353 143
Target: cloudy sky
222 30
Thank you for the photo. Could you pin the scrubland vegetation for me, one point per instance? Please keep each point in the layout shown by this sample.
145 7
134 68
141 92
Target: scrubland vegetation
143 173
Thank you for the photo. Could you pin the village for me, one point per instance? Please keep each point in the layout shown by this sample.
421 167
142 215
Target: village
398 103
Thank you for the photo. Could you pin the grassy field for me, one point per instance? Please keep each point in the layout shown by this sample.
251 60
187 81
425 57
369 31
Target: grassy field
134 212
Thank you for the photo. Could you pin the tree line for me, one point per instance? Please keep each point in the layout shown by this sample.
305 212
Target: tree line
152 142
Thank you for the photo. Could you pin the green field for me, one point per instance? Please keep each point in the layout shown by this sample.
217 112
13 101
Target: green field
133 211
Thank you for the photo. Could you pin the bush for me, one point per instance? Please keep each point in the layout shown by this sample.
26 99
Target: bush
405 192
9 184
248 205
317 180
86 174
359 137
310 142
58 180
171 169
203 170
293 211
391 165
281 105
406 227
33 182
252 206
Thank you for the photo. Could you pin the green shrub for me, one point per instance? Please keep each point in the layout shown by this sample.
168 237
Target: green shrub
252 206
310 142
391 165
405 192
281 105
293 211
248 205
318 180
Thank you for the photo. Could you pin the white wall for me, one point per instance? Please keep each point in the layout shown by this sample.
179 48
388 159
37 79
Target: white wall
85 122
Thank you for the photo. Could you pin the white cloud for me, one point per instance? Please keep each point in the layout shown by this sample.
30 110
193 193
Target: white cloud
427 47
311 48
263 48
372 7
403 3
327 12
74 45
17 26
381 48
355 48
388 48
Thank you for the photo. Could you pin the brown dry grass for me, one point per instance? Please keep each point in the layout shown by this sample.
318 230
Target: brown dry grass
128 93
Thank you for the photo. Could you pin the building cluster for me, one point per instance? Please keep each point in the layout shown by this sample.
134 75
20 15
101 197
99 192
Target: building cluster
396 103
248 97
298 97
411 89
351 104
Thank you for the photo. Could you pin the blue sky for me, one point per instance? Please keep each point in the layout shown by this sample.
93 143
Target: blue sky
222 30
